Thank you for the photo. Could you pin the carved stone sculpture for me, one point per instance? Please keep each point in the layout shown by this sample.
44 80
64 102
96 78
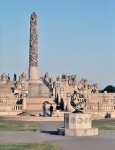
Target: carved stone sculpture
18 86
83 84
58 78
22 77
33 59
51 80
33 48
54 84
72 80
4 78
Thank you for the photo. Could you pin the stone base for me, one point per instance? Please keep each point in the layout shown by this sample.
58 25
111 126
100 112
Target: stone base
77 132
33 73
38 90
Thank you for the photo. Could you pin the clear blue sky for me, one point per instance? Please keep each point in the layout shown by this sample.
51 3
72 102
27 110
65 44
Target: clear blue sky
75 37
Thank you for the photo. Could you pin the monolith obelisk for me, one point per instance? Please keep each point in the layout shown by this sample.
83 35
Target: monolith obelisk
33 48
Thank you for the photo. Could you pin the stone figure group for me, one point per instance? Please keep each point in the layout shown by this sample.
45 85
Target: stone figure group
22 77
17 85
83 85
5 78
72 80
48 78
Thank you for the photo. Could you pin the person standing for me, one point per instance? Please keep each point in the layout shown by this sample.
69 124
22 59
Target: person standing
14 77
44 109
57 110
51 110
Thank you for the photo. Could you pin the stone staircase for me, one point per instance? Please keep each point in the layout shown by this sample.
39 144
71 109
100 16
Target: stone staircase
36 103
8 101
7 87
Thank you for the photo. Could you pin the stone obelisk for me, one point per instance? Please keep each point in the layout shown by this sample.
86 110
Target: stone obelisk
33 48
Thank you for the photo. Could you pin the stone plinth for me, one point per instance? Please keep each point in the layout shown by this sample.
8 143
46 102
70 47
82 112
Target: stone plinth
33 73
77 125
38 90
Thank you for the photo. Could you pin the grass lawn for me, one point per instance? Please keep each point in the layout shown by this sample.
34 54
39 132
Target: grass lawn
28 146
10 126
104 125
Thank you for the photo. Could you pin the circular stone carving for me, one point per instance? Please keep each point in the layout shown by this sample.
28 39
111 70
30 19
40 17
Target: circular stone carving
78 102
67 120
79 120
72 120
86 120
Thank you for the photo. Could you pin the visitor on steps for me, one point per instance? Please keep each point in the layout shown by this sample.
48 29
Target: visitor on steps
44 109
14 77
57 110
51 110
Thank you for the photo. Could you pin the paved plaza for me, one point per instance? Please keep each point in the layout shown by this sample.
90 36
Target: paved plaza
104 141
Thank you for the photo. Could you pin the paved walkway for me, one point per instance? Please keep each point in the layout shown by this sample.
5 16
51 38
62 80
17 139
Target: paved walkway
104 141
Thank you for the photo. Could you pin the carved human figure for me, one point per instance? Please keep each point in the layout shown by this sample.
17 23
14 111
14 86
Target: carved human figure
4 78
22 77
46 75
51 80
54 84
8 77
65 76
58 78
75 78
85 84
33 54
17 85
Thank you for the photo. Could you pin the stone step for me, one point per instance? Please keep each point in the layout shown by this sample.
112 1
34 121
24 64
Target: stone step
5 113
31 118
40 113
39 100
38 106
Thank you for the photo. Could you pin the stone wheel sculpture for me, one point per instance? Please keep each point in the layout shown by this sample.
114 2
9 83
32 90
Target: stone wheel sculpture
78 102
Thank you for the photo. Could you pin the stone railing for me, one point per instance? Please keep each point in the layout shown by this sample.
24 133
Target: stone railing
5 95
48 84
9 107
17 107
8 102
99 107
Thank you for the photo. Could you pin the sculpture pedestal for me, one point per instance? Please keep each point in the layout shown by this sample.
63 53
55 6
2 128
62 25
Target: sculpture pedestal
33 73
77 125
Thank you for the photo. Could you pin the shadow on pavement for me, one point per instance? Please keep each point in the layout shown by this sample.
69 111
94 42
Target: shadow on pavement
50 132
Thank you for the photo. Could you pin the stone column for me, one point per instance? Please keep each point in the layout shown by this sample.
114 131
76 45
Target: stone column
33 48
68 101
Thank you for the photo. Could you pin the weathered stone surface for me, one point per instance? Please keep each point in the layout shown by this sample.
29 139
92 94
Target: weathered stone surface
33 54
77 121
22 77
38 90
